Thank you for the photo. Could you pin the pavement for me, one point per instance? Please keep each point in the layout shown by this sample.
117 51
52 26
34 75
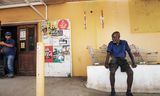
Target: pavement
75 86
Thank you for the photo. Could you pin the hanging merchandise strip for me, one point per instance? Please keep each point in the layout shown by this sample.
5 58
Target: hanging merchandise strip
102 19
85 19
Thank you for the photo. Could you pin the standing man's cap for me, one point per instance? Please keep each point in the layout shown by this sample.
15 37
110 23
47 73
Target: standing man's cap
8 34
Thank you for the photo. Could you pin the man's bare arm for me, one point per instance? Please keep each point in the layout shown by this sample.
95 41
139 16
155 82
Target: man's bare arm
107 60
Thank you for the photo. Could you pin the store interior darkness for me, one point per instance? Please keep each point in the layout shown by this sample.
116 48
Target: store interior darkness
13 30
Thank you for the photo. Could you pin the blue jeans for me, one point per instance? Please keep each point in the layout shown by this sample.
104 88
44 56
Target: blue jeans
9 64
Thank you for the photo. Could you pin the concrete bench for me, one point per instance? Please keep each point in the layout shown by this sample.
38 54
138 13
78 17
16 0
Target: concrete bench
146 79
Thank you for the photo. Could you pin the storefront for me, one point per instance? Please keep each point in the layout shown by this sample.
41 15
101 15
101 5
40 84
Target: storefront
91 24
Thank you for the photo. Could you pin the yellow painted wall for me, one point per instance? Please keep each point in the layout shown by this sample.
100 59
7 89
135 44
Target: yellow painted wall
80 37
19 14
116 17
144 15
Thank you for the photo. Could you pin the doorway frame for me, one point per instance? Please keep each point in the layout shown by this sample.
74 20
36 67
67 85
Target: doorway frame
22 24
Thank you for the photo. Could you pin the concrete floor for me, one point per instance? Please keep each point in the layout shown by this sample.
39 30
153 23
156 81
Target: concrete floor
25 86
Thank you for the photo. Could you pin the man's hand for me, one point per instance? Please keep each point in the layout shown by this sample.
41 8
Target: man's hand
1 43
106 65
134 65
107 60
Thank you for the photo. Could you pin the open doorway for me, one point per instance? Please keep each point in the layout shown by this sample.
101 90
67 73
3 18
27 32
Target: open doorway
13 30
25 37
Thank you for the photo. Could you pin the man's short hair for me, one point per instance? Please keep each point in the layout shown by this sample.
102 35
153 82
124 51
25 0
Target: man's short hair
116 32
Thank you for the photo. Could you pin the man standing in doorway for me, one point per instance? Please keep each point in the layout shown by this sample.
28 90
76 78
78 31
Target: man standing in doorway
9 52
117 51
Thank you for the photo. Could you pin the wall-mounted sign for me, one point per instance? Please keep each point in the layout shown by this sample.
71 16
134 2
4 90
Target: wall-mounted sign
22 34
63 24
48 53
22 45
57 41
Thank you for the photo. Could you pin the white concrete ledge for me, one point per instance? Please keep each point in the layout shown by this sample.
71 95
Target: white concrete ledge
146 79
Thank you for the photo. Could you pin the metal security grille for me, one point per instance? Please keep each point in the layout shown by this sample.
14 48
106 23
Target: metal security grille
12 2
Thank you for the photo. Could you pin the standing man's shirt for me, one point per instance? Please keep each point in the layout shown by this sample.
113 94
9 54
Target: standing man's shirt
10 50
118 50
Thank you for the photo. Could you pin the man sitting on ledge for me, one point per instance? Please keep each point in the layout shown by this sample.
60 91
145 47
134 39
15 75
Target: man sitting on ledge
117 51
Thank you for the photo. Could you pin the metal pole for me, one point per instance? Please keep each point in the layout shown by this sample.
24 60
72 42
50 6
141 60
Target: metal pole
46 9
40 70
35 9
18 5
